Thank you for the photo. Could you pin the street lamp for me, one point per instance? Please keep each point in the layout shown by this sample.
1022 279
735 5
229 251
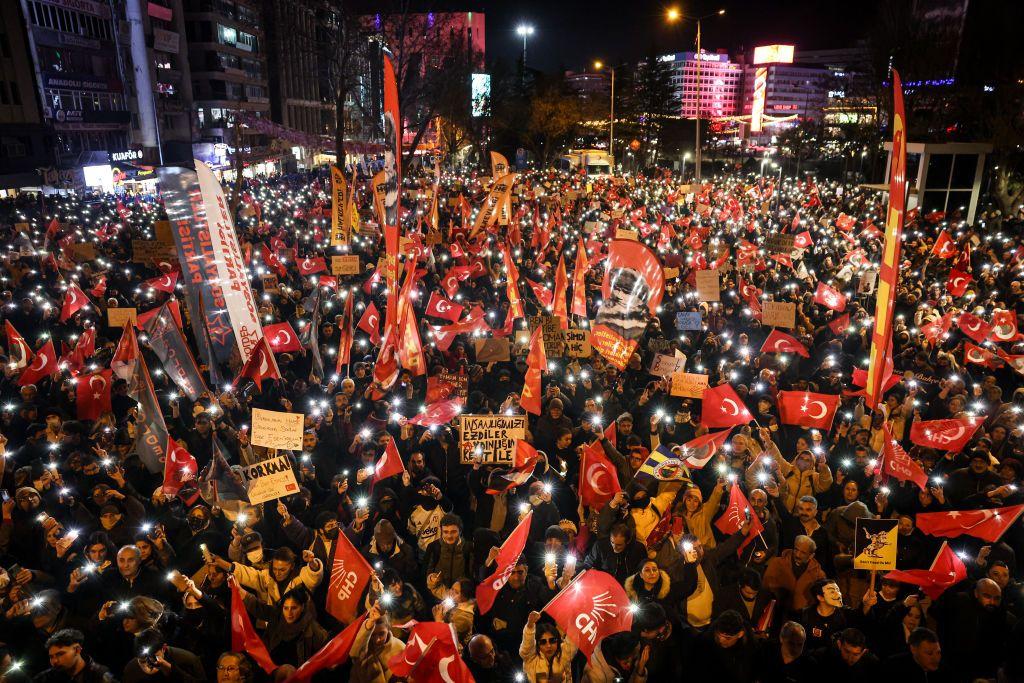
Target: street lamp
682 172
672 15
598 65
524 30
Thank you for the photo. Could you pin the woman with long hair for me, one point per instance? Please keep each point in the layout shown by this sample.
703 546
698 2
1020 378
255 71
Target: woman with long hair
546 654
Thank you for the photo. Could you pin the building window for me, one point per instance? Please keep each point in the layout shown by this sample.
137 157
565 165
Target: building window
226 35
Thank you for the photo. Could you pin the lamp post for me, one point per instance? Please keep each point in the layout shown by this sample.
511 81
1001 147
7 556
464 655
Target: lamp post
673 15
525 31
598 65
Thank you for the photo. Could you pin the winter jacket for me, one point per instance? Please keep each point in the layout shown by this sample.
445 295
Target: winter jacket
793 593
372 667
534 664
260 581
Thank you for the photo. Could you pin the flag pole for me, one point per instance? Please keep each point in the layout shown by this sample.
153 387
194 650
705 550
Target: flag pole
567 586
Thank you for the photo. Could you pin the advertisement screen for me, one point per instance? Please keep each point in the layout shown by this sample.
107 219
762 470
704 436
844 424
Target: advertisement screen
773 54
480 93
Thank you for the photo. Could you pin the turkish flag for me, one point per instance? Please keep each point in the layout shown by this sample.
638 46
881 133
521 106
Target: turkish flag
599 481
74 301
896 463
839 324
164 283
328 281
579 281
698 452
439 413
439 307
973 327
370 323
591 607
780 342
101 287
243 636
736 513
345 336
611 433
281 337
260 366
508 556
440 662
536 363
988 525
126 354
1015 361
946 571
845 222
561 310
944 246
806 409
272 260
350 574
722 407
43 364
17 348
830 297
524 462
172 305
958 281
311 266
421 637
179 468
802 240
390 464
945 435
963 259
1004 326
979 356
937 329
543 294
335 653
92 395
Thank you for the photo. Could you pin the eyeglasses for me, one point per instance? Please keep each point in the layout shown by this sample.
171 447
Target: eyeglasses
549 641
227 668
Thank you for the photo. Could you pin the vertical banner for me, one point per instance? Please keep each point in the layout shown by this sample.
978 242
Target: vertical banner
499 195
339 215
377 184
499 166
634 283
170 346
150 428
757 104
888 274
215 274
392 186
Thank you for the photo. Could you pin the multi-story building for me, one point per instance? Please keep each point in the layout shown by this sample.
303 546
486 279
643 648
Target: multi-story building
25 144
719 83
79 75
589 84
788 94
226 49
294 66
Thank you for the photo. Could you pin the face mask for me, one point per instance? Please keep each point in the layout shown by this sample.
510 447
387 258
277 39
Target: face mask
255 556
196 523
332 533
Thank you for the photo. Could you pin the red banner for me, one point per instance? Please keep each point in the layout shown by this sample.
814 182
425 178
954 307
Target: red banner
508 557
350 573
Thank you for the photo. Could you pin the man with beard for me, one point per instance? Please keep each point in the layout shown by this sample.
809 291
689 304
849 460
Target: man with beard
790 576
974 628
625 312
522 593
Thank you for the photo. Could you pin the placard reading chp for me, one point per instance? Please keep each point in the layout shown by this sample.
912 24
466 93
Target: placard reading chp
689 384
778 314
492 436
117 317
874 543
275 429
270 479
577 343
347 264
709 287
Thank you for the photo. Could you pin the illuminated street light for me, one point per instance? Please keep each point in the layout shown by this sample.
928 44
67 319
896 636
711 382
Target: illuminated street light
525 31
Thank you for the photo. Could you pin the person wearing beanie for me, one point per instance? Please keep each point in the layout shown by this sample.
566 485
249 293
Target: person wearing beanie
386 549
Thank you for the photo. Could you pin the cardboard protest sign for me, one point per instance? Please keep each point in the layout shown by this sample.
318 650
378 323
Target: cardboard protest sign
117 317
671 273
577 343
778 314
82 251
866 282
270 479
779 244
521 342
492 350
275 429
492 436
709 286
147 251
874 543
347 264
688 384
553 334
164 235
663 365
689 320
270 283
621 234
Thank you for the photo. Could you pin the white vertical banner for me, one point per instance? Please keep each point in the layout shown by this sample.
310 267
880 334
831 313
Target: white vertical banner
232 273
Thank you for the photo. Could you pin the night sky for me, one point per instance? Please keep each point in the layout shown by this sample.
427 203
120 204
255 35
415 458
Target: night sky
571 34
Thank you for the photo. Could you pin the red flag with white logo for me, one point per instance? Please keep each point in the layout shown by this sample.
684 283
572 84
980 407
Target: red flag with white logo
163 283
74 301
946 571
599 480
17 348
350 574
988 524
807 409
370 323
243 636
179 468
974 327
1004 326
722 407
92 395
830 297
780 342
958 282
282 338
938 328
440 662
311 266
334 653
536 363
736 513
896 463
945 435
260 366
508 556
590 608
438 413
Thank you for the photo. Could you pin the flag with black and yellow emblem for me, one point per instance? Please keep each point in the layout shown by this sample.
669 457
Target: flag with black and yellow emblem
874 545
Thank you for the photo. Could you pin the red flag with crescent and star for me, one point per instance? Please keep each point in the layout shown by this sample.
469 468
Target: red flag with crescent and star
722 407
599 481
282 338
780 342
243 636
92 394
260 365
988 524
807 409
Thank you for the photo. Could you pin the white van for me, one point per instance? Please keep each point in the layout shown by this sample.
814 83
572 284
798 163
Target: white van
595 161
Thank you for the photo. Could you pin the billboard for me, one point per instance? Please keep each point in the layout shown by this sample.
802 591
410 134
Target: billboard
480 94
773 54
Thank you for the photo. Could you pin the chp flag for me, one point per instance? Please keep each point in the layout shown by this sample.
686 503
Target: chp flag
594 605
945 435
888 274
896 463
350 574
874 543
508 557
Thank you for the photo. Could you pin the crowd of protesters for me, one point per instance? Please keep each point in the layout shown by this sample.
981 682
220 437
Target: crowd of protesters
104 576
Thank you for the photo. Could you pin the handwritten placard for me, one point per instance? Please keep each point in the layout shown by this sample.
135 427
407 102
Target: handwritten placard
709 285
689 384
492 350
270 479
275 429
347 264
577 343
664 365
778 314
493 437
117 317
